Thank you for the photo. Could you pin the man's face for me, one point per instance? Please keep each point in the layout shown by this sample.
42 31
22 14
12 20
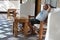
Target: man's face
45 7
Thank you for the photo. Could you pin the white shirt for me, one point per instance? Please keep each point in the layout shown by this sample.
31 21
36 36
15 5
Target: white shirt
42 15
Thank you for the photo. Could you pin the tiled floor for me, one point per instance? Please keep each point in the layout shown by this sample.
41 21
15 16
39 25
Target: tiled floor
6 30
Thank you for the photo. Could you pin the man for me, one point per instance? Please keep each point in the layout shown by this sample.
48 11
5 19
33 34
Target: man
41 16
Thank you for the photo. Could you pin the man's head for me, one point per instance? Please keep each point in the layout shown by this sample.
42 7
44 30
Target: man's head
45 7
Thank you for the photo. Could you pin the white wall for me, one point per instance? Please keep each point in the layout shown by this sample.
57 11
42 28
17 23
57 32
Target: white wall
53 25
27 8
5 5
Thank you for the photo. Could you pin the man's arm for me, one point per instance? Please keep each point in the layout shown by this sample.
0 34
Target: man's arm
49 8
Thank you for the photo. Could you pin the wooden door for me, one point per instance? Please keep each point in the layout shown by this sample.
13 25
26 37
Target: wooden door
20 1
37 6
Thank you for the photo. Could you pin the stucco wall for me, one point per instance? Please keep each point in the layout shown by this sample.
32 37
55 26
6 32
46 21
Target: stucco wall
27 8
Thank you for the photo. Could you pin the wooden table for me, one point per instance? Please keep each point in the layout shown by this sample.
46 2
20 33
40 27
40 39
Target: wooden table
15 26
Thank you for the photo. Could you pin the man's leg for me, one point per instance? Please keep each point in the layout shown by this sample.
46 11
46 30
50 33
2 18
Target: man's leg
32 22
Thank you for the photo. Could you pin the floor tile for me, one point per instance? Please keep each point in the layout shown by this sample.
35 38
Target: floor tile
1 31
2 36
9 33
7 29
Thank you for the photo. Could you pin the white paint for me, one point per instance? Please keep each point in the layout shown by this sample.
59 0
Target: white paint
53 25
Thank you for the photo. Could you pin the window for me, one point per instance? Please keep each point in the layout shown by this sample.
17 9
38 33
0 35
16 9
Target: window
51 2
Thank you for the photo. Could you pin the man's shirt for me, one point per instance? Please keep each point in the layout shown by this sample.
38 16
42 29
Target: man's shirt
42 15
